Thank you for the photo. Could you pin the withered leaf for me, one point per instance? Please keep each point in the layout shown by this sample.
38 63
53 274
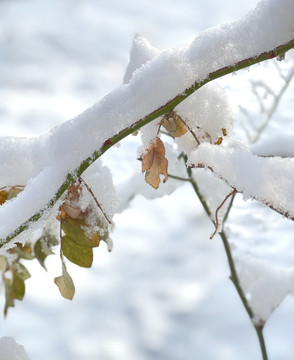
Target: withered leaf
174 125
155 163
65 284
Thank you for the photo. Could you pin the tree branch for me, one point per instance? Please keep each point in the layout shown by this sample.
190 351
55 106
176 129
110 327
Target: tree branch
164 109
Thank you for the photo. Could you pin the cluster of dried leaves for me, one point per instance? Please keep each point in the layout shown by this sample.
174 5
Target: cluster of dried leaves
78 237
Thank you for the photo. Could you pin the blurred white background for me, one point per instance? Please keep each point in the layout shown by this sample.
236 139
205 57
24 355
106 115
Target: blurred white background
163 293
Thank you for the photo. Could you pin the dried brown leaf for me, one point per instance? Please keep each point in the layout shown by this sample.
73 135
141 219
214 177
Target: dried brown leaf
174 125
154 163
65 284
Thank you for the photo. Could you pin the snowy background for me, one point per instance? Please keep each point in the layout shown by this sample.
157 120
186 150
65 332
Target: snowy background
163 293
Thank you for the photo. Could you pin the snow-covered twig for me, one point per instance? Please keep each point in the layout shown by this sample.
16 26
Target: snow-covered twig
267 180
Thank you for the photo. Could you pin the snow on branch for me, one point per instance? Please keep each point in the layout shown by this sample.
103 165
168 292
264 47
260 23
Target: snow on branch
268 180
49 164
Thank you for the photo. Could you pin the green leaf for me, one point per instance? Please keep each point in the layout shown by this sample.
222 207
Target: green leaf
76 230
9 301
18 287
21 271
65 284
79 255
42 250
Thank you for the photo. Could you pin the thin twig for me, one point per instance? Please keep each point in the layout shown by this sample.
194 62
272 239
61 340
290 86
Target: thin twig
178 178
187 126
94 198
234 191
277 99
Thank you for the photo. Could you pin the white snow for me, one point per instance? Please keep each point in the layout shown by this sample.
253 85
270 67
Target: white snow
268 180
266 285
10 350
57 56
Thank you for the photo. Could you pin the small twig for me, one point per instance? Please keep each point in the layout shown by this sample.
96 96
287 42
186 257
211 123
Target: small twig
277 99
96 201
187 126
178 178
233 192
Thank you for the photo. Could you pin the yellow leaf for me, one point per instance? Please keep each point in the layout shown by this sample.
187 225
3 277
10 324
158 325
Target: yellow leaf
174 125
79 255
155 163
65 284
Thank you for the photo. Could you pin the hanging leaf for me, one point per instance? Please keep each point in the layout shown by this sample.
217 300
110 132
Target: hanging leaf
155 163
79 237
18 287
9 300
14 281
78 231
65 284
42 250
79 255
174 125
20 274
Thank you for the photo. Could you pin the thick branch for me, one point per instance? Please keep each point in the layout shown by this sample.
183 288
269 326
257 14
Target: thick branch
164 109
